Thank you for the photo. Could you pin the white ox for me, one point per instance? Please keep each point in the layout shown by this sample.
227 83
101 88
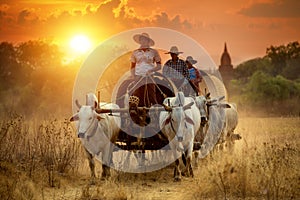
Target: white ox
222 121
179 124
97 132
231 121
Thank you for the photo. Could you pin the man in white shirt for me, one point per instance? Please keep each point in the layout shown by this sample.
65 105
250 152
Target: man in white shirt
144 61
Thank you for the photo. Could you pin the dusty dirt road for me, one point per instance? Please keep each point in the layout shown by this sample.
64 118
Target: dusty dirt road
148 186
268 145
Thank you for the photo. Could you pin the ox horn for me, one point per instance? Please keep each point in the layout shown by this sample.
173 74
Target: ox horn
167 108
99 117
77 104
188 106
215 100
207 95
221 98
74 118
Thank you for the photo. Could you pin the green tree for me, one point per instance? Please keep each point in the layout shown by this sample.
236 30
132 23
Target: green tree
292 69
281 55
263 88
246 69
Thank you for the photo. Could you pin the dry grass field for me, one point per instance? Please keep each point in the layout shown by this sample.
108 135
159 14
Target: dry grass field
45 160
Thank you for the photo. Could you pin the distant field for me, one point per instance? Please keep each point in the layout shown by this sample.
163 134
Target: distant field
263 165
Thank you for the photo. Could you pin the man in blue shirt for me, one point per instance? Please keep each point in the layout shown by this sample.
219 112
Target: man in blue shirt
195 76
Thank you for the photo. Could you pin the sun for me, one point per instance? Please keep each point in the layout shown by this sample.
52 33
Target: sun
80 44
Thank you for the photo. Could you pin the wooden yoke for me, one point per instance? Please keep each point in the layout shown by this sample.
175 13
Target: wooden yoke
126 110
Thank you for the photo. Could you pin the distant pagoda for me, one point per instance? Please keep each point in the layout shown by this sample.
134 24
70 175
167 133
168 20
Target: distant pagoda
226 68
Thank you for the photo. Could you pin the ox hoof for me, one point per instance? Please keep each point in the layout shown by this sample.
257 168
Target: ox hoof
104 178
177 179
192 174
92 182
184 174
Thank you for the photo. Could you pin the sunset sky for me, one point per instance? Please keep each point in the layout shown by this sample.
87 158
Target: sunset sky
248 27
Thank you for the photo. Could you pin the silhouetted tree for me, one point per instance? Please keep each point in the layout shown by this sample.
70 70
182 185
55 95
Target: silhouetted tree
10 68
280 55
39 54
34 79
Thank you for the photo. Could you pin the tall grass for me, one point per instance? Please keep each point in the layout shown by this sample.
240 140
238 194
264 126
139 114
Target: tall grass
264 165
40 159
42 151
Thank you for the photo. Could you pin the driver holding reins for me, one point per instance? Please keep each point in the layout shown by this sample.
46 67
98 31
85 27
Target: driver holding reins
144 61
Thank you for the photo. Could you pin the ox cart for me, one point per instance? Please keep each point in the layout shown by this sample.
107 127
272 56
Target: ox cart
140 126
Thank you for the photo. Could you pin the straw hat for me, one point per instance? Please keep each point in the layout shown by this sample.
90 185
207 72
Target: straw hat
137 37
191 60
174 50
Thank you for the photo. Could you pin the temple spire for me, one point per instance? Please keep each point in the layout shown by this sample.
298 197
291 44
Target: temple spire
225 59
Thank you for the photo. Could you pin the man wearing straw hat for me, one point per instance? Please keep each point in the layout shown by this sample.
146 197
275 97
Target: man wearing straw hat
144 61
195 76
176 69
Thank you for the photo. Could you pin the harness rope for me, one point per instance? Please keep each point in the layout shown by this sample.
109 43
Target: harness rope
161 92
146 94
128 90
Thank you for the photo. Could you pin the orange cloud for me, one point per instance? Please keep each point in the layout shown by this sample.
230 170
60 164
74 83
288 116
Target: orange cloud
247 30
26 17
276 9
112 15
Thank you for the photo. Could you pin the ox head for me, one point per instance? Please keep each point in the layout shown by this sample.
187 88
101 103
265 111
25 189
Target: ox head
201 104
205 102
87 118
178 117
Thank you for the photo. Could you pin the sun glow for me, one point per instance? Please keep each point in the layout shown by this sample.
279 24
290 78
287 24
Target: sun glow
80 44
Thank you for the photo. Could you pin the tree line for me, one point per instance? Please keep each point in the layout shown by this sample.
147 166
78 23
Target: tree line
34 79
270 83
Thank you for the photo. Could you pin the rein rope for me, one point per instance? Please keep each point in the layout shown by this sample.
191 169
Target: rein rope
161 92
132 85
128 90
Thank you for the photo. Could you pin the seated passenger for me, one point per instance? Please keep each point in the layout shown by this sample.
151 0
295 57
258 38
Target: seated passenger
195 76
176 69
